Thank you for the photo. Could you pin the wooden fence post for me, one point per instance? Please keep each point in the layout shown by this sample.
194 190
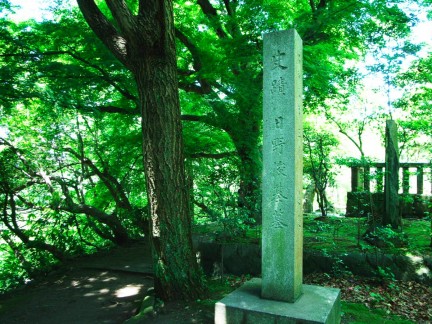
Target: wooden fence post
379 179
405 179
420 180
366 178
354 178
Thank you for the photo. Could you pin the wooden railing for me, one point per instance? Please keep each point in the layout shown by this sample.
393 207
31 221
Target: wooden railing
362 176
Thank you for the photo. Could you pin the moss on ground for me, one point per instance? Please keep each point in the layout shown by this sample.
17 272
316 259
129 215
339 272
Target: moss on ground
346 234
359 313
351 312
337 234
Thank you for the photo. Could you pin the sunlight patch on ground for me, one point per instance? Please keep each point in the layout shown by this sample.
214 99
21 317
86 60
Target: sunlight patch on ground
415 259
75 283
102 291
423 271
129 290
90 294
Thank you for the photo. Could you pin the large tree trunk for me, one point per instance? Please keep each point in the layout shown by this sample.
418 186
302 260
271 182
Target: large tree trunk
245 134
177 273
250 179
145 44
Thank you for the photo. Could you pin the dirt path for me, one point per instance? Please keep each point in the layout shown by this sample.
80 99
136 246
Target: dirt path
109 288
106 288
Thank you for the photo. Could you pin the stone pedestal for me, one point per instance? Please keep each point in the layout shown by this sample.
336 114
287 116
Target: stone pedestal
245 305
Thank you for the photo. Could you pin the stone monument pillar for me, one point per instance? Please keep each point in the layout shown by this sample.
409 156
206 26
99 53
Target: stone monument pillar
280 296
282 194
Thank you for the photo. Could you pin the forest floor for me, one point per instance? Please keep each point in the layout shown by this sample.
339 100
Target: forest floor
109 288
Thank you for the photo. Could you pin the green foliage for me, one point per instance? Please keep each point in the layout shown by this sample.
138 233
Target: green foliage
338 267
320 235
59 170
359 313
70 115
319 226
415 104
352 161
216 197
385 236
318 162
340 235
388 277
12 273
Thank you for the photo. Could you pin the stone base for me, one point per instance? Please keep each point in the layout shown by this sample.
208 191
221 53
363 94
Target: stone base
244 305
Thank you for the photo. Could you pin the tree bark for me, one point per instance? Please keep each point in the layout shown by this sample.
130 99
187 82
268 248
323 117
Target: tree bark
250 167
145 44
167 187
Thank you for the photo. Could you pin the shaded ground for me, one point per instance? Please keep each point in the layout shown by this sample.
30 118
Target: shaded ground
109 288
408 299
106 288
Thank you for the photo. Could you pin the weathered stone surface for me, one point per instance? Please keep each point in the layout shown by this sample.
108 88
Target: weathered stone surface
316 305
278 298
391 186
282 225
241 259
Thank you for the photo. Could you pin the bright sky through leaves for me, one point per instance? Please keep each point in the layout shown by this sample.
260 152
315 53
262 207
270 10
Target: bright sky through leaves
30 9
421 33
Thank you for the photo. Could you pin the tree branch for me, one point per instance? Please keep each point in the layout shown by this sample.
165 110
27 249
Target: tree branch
29 170
202 119
225 117
123 16
212 155
193 118
229 9
312 5
192 87
110 110
322 4
35 243
100 25
232 24
344 132
205 87
120 234
211 13
213 214
197 64
110 182
104 75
